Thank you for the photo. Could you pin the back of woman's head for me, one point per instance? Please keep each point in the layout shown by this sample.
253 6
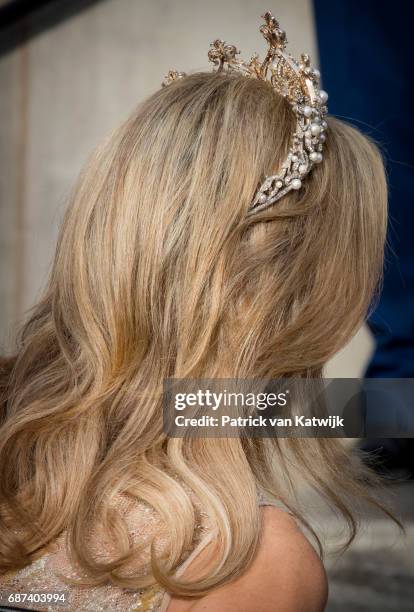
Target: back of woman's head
160 272
161 255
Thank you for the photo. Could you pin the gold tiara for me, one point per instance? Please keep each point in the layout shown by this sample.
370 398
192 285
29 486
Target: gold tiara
296 81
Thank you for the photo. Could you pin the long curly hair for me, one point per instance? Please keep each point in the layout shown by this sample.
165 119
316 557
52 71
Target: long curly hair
159 273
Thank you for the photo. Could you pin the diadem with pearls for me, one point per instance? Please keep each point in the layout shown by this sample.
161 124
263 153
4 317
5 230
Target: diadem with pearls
296 81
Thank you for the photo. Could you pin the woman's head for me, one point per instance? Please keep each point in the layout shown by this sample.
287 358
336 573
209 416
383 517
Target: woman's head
159 272
158 257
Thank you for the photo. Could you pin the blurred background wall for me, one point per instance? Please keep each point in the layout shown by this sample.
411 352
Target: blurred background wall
82 67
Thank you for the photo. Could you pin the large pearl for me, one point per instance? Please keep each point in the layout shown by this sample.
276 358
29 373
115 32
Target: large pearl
315 129
323 96
294 158
262 198
314 156
307 111
296 183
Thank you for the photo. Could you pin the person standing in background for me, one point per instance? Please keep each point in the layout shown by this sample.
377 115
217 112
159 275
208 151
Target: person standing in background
375 93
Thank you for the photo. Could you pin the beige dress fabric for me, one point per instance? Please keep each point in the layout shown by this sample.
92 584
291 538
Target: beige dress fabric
48 572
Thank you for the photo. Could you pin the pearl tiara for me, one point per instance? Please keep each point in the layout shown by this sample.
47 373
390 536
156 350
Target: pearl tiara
296 81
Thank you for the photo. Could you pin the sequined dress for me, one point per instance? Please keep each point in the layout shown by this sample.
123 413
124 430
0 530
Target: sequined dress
48 572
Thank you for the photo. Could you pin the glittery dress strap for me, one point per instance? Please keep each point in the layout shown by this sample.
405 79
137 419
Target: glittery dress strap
48 572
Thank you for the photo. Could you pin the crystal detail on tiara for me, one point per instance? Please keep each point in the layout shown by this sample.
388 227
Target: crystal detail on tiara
298 83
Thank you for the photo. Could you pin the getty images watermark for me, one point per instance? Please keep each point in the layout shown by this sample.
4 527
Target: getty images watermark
341 407
214 402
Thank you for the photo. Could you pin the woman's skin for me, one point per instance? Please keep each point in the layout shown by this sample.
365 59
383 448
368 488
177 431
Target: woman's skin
286 575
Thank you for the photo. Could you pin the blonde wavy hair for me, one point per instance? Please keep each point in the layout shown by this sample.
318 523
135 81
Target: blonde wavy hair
159 273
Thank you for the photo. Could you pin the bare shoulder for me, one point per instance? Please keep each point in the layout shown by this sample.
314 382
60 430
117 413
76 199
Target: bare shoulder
289 572
286 575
